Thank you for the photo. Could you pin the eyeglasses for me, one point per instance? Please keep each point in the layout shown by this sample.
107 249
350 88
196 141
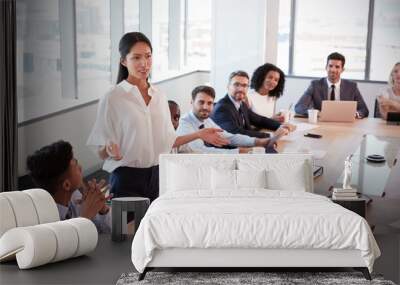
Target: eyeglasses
237 85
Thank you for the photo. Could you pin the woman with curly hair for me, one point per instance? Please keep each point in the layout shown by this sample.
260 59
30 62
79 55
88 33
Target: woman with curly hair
267 84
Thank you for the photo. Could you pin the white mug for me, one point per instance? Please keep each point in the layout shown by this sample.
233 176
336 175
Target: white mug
313 116
286 115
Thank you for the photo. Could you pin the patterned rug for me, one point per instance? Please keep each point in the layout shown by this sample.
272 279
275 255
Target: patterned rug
230 278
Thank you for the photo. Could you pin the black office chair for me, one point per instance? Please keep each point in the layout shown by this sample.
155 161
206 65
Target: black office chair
377 114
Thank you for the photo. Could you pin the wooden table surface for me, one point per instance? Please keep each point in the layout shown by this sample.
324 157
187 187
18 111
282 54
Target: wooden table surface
340 140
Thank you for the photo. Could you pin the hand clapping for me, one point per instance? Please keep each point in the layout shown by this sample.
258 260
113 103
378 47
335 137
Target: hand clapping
93 201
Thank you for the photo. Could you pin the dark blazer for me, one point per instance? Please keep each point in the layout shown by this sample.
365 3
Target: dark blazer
227 117
318 91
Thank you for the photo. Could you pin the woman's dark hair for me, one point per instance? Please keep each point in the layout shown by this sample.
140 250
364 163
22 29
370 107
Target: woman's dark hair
257 80
48 164
125 45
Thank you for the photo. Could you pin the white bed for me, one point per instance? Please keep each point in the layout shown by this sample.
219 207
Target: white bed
247 211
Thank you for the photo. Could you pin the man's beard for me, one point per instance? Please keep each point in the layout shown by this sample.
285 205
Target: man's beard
203 114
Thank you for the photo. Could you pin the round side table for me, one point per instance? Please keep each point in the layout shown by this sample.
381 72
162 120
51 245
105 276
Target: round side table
119 209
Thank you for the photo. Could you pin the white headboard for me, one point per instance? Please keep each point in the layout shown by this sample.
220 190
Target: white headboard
285 163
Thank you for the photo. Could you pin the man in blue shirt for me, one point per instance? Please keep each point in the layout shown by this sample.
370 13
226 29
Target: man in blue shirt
202 105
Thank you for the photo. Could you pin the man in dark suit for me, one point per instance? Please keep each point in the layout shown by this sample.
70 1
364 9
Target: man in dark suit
332 87
233 115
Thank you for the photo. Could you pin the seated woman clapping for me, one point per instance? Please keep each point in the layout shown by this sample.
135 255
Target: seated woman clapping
389 98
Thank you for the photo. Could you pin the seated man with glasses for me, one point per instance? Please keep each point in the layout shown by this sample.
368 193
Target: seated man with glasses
233 115
198 118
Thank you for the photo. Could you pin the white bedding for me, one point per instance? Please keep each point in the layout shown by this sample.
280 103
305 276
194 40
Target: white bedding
253 218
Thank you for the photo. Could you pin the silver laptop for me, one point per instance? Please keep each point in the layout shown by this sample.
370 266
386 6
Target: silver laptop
338 111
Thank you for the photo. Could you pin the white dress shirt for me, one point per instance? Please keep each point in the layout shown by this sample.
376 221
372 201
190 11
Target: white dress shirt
189 123
337 89
262 105
142 132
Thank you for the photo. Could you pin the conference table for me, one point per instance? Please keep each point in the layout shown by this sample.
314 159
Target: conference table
360 138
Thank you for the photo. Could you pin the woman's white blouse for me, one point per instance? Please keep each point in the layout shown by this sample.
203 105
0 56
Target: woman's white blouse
388 93
142 132
262 105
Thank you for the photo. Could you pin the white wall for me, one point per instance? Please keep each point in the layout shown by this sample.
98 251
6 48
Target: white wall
295 87
180 90
75 126
238 39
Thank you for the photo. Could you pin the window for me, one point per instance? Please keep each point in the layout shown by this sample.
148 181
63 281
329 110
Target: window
323 27
64 48
284 35
61 63
180 32
385 50
93 47
38 57
131 15
160 18
198 34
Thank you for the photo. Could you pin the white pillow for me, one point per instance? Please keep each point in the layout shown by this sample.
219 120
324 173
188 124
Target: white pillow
231 180
282 173
223 179
294 180
251 178
184 178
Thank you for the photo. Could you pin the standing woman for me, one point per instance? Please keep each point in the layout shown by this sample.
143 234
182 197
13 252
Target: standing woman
133 125
267 84
389 98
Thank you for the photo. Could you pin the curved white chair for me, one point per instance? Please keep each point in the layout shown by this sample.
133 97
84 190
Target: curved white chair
31 233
